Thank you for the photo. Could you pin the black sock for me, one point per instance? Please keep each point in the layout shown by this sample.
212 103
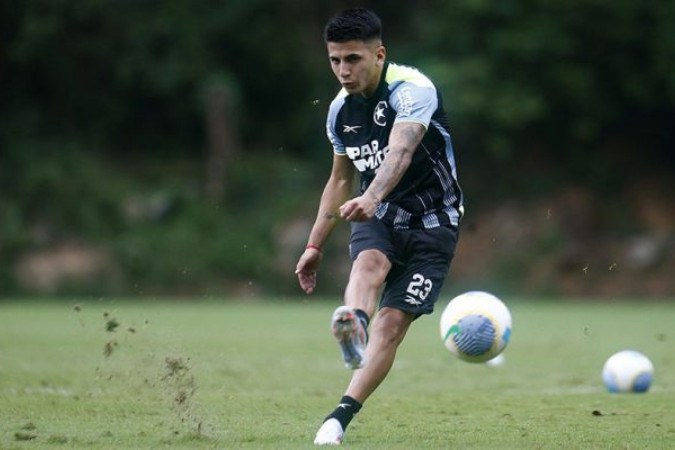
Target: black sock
345 411
363 317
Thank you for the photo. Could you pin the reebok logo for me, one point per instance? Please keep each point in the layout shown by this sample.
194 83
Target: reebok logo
412 301
350 128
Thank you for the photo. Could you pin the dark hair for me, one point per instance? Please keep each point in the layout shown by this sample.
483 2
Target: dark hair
353 24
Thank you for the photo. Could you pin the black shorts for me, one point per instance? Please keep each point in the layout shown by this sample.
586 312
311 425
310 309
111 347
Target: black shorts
420 261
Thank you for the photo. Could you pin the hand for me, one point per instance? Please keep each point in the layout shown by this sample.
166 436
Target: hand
306 269
359 209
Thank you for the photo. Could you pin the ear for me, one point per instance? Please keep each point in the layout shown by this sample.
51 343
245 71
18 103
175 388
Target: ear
381 55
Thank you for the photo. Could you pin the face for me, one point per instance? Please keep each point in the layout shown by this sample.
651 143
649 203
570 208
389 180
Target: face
357 64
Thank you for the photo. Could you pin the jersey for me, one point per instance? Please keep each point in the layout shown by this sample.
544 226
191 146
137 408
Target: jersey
428 195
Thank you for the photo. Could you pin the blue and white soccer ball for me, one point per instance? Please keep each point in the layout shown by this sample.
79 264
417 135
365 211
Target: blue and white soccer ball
628 371
476 326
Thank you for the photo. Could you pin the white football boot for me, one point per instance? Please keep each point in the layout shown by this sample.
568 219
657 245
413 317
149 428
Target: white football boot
351 335
330 433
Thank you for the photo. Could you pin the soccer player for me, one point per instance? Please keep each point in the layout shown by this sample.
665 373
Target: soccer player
388 123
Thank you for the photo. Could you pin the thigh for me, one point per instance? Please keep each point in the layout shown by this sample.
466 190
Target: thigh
370 235
414 285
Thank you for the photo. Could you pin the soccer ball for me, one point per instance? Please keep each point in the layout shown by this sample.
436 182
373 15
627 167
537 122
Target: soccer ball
476 326
628 371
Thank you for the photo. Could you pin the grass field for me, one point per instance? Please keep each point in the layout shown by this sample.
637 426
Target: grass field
262 374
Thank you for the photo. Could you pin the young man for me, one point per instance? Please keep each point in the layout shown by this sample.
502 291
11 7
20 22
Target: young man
387 123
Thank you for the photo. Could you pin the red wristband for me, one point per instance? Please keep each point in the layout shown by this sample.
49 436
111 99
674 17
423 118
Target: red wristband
315 247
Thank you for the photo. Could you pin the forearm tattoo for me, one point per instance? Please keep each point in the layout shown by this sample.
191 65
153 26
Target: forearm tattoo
403 141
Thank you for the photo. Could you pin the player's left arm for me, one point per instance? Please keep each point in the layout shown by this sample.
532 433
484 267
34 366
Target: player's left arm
403 141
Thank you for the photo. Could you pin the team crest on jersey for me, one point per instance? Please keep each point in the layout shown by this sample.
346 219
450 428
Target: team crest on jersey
379 117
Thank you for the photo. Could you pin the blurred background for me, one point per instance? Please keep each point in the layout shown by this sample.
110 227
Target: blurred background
177 148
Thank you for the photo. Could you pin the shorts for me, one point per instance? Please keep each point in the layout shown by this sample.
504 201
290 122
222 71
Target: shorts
420 261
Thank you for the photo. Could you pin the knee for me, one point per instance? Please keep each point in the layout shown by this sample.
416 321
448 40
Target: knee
371 265
391 325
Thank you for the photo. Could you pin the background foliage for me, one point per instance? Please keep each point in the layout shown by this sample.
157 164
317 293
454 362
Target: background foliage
105 134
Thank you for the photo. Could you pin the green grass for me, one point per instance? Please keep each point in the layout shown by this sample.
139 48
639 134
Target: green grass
244 374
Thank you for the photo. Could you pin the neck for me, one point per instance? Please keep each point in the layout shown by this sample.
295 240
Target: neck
372 87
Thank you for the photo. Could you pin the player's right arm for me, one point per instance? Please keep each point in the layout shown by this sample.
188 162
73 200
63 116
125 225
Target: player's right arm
337 190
